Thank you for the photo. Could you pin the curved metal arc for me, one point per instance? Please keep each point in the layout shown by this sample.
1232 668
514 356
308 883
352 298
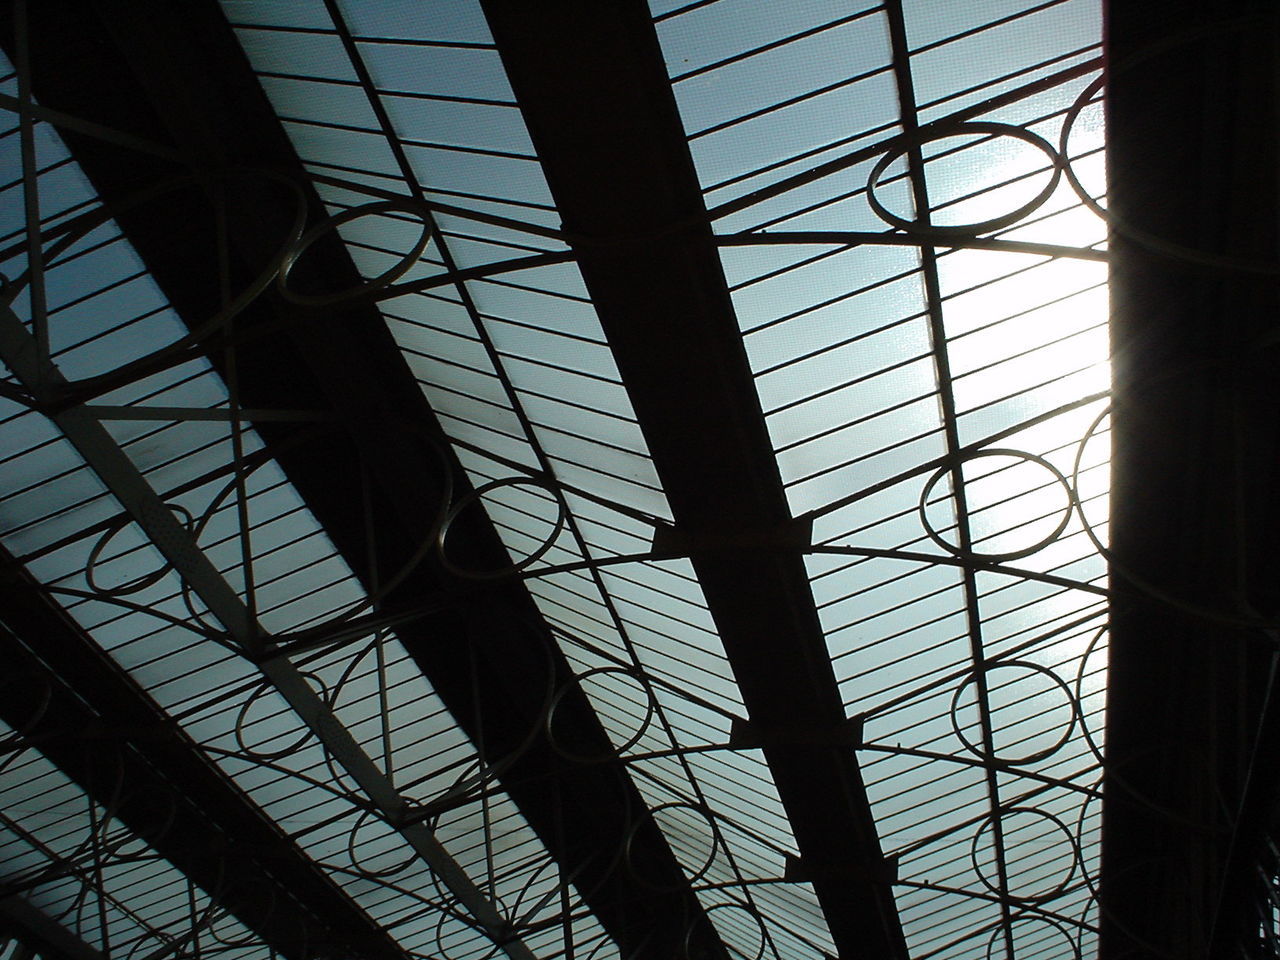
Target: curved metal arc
866 153
1265 627
178 546
1261 20
60 386
433 206
966 562
1031 909
911 141
930 465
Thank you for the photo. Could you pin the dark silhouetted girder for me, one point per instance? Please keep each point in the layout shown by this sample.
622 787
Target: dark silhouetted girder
103 732
176 76
39 934
1193 728
590 82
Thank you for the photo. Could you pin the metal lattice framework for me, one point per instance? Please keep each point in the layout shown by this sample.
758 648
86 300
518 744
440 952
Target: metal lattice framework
571 480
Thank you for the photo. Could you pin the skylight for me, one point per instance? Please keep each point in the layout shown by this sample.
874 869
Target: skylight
900 200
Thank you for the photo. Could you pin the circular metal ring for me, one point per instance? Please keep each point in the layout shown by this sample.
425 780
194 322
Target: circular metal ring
200 629
139 583
109 792
1156 244
1089 880
468 783
999 932
460 915
384 589
247 939
146 946
522 923
971 455
1079 694
295 745
368 872
576 683
473 497
693 877
605 943
382 280
1120 570
1083 926
226 912
989 822
1036 755
607 850
1068 124
929 134
237 304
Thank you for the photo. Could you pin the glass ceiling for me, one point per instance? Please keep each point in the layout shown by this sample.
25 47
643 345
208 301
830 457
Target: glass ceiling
905 200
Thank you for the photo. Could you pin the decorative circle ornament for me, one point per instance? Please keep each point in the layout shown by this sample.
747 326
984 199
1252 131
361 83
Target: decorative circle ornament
935 132
142 581
475 496
699 864
1014 820
1030 671
594 677
382 280
1001 555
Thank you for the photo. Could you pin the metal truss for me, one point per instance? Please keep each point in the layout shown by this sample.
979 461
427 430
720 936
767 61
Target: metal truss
688 539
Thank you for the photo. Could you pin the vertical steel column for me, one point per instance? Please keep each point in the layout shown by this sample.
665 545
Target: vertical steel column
1193 118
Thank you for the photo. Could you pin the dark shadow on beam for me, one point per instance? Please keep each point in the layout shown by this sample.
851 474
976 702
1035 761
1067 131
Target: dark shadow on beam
38 932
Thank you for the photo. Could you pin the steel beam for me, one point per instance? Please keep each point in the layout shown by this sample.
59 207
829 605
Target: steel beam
349 370
18 350
35 931
1192 727
591 85
174 794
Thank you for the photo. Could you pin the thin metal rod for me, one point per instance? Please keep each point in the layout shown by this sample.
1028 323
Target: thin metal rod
106 411
855 237
938 336
31 191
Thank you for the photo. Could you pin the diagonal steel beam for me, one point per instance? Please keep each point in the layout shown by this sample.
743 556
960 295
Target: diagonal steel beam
36 931
74 689
18 350
590 81
351 371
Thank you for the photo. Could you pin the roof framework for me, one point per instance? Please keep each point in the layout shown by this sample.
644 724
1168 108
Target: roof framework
591 480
